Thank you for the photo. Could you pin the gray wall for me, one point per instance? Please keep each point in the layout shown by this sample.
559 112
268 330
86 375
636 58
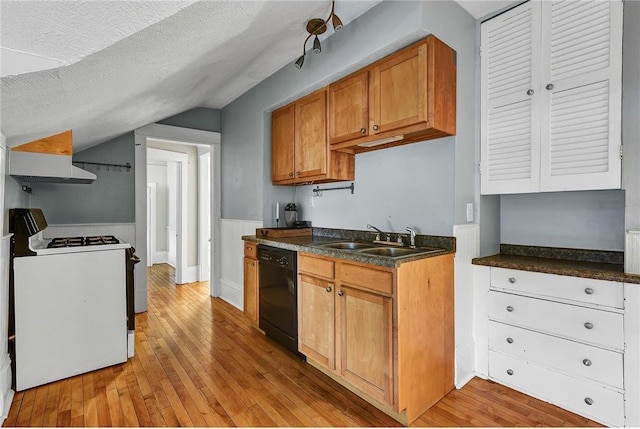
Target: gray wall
583 220
429 183
158 174
110 199
199 118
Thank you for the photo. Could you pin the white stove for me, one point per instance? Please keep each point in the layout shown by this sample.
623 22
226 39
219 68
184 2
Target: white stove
72 302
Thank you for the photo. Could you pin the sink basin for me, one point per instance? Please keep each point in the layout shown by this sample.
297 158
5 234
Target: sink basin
348 245
397 251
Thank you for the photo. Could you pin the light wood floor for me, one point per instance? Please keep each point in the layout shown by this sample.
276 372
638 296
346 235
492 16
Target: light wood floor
199 363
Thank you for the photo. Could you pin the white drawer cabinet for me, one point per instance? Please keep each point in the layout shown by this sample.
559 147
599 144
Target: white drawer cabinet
573 289
598 327
582 360
560 339
581 396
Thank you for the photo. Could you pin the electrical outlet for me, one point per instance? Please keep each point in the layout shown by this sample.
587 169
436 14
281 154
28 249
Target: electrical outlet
469 212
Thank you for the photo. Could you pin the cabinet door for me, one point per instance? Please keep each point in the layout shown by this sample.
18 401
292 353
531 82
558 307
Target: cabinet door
399 90
282 143
316 320
251 289
311 135
510 100
364 327
349 108
582 79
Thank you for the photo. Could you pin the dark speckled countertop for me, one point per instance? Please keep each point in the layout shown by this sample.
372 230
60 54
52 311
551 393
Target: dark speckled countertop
313 244
594 264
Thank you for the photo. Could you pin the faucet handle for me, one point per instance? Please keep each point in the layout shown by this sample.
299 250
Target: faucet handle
377 234
399 239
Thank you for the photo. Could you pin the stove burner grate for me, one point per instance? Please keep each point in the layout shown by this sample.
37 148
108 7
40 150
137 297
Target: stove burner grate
82 241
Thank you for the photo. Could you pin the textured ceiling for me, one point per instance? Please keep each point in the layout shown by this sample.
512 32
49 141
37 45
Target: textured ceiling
103 68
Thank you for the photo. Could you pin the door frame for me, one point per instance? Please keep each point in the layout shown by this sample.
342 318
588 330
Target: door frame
152 221
182 160
184 135
204 265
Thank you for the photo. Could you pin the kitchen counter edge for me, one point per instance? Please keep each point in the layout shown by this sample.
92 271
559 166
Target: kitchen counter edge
293 243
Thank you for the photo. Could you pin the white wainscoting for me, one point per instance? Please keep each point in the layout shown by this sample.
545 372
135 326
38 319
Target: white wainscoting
6 394
467 248
124 231
632 252
231 261
482 282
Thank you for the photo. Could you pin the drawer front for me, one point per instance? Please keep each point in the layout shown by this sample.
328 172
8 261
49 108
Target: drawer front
579 359
597 327
315 266
599 292
367 278
250 250
607 405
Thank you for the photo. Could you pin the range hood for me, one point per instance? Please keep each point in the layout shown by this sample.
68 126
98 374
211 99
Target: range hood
47 160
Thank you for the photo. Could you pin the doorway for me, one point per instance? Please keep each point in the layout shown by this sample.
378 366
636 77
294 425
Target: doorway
209 142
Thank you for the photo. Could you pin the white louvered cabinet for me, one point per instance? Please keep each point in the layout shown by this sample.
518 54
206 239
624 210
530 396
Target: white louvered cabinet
551 97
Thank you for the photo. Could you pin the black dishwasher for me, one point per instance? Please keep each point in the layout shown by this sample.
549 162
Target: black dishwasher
278 295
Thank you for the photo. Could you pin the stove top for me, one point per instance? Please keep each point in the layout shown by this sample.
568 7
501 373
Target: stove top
60 242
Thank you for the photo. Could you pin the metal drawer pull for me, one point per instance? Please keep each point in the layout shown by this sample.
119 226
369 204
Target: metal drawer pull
588 401
586 362
328 288
588 291
340 293
510 371
375 128
363 130
509 308
588 325
512 280
510 340
549 86
530 92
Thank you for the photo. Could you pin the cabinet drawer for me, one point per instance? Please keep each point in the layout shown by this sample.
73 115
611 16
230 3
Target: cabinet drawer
315 266
599 292
368 278
579 359
597 327
607 405
251 250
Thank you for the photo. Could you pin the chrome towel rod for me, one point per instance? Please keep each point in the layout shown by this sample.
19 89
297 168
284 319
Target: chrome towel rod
317 190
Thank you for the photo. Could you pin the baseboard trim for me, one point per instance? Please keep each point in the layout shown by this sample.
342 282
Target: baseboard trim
464 363
232 293
6 394
190 274
160 257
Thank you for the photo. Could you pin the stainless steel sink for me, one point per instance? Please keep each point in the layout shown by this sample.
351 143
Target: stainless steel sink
397 251
349 245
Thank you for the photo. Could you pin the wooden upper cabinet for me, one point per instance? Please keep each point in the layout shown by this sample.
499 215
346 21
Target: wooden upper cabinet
411 97
349 107
300 150
282 143
311 135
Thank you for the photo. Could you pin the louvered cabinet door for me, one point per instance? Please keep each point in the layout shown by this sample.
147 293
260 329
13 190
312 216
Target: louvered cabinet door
582 80
510 93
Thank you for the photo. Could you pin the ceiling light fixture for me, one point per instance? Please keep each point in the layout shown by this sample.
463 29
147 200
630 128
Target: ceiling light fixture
315 27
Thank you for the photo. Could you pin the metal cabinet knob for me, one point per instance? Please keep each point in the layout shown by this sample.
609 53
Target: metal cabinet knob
549 86
510 340
340 293
586 362
291 174
509 308
363 130
328 289
512 280
588 401
375 128
530 92
510 371
297 173
588 291
588 325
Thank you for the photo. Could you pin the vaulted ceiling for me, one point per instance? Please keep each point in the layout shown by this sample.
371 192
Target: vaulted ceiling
103 67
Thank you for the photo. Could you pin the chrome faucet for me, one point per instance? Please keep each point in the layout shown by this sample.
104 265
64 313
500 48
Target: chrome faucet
413 236
379 232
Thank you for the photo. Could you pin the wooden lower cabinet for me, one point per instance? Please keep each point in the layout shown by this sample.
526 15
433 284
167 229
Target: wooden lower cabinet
364 328
251 282
384 333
